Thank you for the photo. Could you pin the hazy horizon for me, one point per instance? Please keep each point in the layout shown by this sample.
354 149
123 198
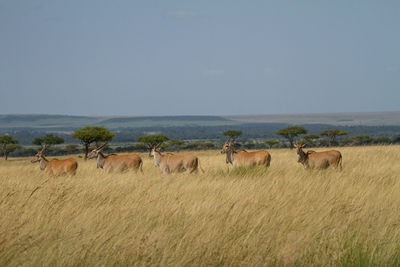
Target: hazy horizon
194 115
159 58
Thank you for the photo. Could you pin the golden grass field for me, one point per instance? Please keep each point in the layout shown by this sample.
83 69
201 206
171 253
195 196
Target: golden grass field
281 216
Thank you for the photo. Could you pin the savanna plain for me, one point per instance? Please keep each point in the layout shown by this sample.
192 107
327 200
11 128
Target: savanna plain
284 215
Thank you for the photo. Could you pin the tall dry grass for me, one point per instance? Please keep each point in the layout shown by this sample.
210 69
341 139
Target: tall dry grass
281 216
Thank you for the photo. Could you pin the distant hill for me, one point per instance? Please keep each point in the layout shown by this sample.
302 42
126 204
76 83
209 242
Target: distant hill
59 122
391 118
127 128
46 121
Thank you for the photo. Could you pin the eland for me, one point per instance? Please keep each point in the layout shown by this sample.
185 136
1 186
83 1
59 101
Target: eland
318 160
174 163
116 162
55 167
244 158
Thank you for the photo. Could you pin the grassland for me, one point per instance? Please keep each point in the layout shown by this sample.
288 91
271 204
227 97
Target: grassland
281 216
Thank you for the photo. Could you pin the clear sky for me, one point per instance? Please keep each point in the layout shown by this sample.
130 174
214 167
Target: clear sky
198 57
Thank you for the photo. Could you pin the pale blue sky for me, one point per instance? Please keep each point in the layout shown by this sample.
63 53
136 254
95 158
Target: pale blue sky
198 57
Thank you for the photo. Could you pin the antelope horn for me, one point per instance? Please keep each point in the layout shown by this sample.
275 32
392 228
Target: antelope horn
43 151
229 140
102 146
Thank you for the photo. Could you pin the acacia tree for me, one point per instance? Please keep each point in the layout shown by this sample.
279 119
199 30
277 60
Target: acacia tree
92 134
9 144
47 140
311 139
332 134
232 134
271 142
291 132
152 141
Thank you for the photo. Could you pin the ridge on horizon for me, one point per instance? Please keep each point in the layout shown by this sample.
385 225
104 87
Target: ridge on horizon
49 121
204 115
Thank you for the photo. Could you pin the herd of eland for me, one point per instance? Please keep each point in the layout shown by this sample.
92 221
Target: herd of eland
170 163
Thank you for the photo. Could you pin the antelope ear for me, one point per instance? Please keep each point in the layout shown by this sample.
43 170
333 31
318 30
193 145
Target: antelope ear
303 145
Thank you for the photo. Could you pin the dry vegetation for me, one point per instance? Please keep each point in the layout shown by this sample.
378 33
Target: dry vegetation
282 216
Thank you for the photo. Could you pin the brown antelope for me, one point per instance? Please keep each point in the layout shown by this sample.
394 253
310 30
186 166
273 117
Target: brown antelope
55 167
318 160
174 163
116 162
244 158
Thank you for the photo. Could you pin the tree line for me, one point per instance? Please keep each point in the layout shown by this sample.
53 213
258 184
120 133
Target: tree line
258 131
91 136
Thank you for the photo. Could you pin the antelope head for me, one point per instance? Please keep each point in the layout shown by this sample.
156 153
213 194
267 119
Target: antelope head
228 146
95 152
153 151
39 155
300 153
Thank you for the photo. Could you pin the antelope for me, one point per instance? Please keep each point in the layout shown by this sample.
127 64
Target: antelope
318 160
244 158
174 163
116 162
55 167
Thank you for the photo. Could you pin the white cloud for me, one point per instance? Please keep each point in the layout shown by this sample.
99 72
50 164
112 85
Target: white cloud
182 14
